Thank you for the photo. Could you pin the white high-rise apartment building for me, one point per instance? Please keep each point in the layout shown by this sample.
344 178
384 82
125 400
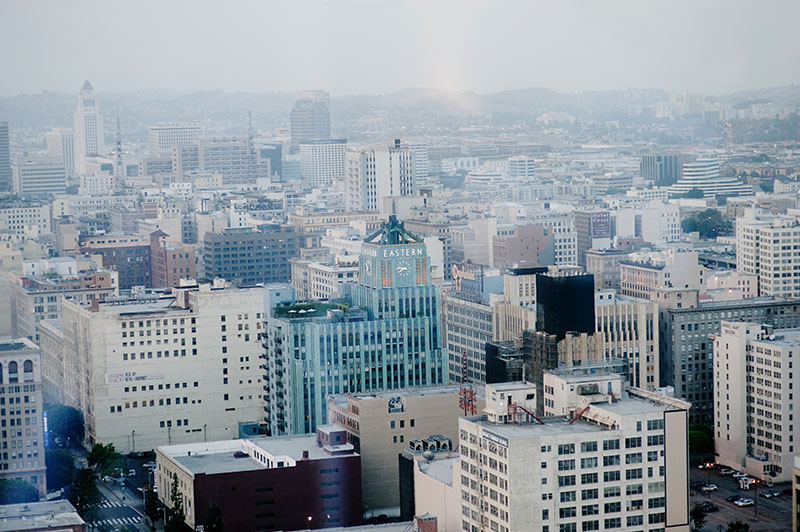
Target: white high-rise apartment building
420 150
39 175
161 138
322 161
521 166
613 463
767 247
373 175
180 366
61 143
754 398
88 128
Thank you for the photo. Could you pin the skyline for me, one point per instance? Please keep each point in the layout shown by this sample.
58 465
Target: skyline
711 48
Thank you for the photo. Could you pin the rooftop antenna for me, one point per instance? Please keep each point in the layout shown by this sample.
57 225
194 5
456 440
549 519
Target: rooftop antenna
118 158
251 150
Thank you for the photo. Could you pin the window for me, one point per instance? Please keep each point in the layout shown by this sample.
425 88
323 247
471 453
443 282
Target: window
566 480
588 446
567 496
611 460
568 511
609 445
566 448
587 463
589 478
589 494
633 442
611 476
566 465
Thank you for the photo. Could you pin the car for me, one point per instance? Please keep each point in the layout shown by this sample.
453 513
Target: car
726 471
744 502
709 507
732 498
768 483
240 454
709 488
767 494
149 465
707 465
775 493
131 472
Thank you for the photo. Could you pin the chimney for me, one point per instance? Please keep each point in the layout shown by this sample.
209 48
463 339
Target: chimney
426 523
94 305
305 455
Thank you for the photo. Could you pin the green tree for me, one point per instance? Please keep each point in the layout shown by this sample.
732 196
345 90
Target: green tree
738 526
698 516
84 495
699 442
13 491
151 504
213 521
66 423
60 468
176 521
105 459
694 193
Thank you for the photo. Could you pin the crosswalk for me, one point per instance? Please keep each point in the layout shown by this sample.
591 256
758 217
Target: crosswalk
118 521
111 504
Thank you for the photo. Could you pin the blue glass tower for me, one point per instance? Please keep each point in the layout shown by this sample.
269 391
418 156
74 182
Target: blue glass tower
386 335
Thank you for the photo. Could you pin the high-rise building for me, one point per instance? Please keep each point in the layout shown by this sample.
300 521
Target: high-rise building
88 128
604 264
373 175
23 449
661 168
5 158
129 256
754 399
160 368
250 256
593 231
322 161
703 174
38 176
521 166
420 151
767 247
386 336
61 143
162 138
310 118
615 462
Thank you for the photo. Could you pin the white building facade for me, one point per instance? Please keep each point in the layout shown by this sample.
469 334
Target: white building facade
88 128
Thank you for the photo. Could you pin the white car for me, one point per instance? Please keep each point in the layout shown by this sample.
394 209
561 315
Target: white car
744 502
709 488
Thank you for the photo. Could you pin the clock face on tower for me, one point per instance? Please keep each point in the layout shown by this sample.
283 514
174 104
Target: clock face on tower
404 268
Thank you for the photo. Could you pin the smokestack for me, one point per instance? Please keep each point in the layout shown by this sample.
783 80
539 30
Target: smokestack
305 455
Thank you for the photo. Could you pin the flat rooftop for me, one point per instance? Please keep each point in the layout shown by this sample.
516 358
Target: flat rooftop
144 306
17 344
440 469
38 515
340 400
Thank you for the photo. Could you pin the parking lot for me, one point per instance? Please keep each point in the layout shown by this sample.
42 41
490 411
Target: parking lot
772 514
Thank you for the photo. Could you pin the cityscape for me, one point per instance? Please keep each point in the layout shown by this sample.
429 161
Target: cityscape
399 267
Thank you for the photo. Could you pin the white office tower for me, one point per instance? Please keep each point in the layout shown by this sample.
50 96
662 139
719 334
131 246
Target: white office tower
162 138
373 175
61 143
36 176
161 368
322 162
767 247
521 166
703 174
310 118
754 399
615 462
420 150
88 128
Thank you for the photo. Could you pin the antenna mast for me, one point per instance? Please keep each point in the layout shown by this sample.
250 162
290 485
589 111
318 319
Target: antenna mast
251 150
118 174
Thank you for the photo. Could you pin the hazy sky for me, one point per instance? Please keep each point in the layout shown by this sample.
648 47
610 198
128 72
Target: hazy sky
375 46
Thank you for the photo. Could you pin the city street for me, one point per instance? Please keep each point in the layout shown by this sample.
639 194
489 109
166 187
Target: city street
773 514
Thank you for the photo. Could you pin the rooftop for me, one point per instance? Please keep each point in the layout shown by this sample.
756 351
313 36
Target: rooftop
38 515
440 469
340 400
17 344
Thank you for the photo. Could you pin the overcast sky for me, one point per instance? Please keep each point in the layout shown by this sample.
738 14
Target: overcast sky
376 46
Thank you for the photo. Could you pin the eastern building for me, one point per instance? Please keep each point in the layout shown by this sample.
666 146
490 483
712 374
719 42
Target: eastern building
310 117
88 128
385 335
21 389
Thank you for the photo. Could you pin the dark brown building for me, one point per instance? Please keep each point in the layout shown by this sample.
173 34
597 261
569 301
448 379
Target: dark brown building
129 258
170 261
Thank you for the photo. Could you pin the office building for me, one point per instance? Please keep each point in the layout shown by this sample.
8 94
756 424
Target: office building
61 143
230 157
310 117
687 325
380 425
283 483
88 128
162 138
766 248
128 255
274 154
170 261
643 272
629 328
23 449
39 176
25 218
754 399
521 167
661 168
593 231
45 516
322 162
604 265
323 280
703 174
385 335
165 367
420 151
250 256
6 181
373 175
615 463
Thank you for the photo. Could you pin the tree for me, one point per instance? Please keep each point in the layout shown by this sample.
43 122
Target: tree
60 468
699 442
738 526
709 223
175 523
66 423
694 193
13 491
151 504
213 521
105 459
83 493
698 516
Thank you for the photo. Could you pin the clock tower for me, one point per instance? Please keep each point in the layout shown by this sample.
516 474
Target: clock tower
393 258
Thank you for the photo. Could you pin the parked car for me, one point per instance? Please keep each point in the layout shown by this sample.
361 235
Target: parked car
732 498
707 465
709 488
240 454
768 483
775 493
744 502
709 507
131 472
726 471
767 494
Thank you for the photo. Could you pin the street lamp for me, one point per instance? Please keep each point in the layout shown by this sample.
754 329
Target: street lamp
133 440
205 438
